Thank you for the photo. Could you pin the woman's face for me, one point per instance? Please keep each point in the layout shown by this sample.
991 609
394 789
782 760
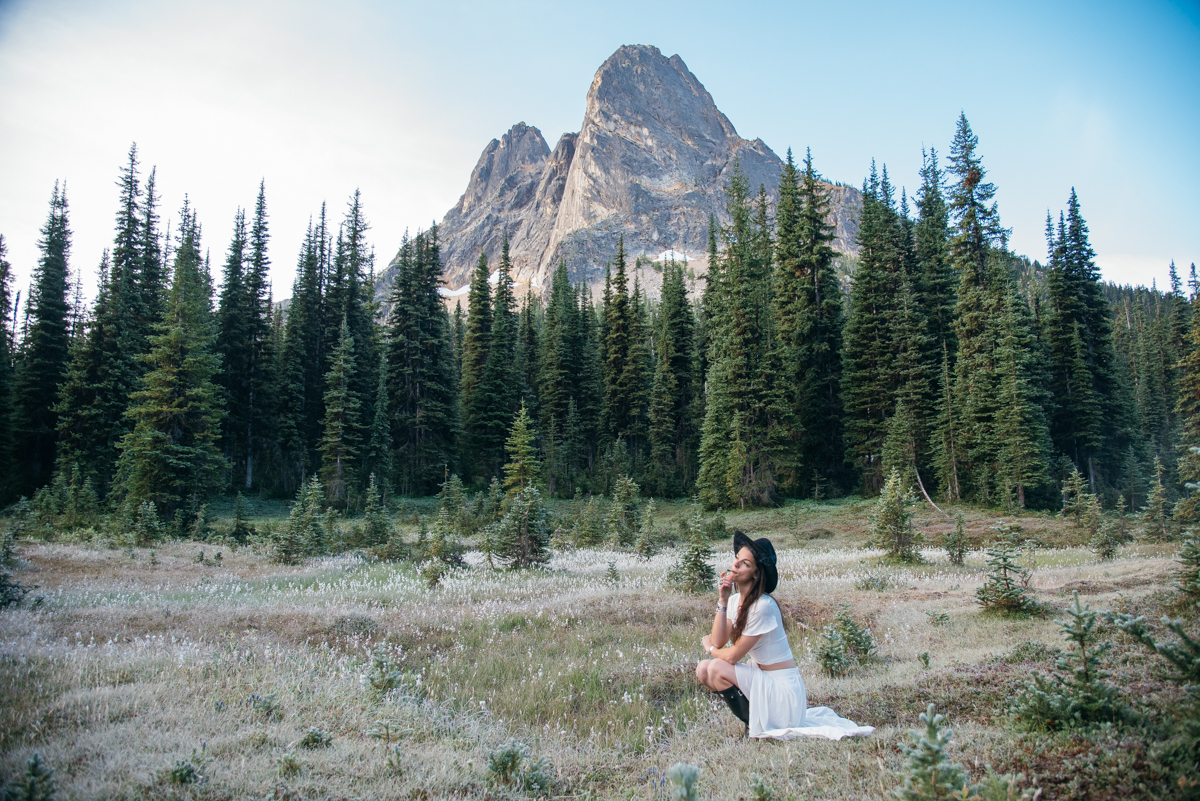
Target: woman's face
744 567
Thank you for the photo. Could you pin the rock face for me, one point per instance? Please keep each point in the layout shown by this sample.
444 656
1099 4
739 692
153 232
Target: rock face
651 162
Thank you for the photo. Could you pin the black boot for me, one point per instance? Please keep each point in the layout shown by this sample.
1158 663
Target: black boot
738 703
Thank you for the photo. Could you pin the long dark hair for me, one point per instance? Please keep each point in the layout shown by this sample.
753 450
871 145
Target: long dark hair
748 600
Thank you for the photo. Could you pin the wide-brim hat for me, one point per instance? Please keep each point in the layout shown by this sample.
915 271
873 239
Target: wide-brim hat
764 557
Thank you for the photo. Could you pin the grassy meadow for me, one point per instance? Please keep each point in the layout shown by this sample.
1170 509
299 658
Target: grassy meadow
208 670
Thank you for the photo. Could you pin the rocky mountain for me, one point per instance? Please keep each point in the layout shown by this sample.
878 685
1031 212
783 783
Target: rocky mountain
650 162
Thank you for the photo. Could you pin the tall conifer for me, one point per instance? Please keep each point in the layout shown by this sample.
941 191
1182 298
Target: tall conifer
343 422
423 384
45 352
171 456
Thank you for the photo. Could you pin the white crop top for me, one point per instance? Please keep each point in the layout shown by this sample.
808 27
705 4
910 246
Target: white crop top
764 620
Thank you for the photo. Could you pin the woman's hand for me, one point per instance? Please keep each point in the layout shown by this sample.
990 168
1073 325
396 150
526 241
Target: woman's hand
725 587
706 642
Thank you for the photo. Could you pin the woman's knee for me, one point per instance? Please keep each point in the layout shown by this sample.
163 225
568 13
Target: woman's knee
702 671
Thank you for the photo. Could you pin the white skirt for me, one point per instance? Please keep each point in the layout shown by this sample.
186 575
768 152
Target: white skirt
778 707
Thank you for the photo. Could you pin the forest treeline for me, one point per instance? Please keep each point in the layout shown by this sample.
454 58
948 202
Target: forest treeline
978 375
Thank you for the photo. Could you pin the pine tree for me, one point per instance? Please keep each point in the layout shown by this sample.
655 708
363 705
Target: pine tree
528 352
523 470
1089 422
891 524
44 353
748 441
261 377
1158 512
6 378
620 373
1020 424
233 346
499 386
935 276
871 373
818 412
1004 591
476 344
1081 697
1188 410
977 252
377 456
170 458
343 436
424 401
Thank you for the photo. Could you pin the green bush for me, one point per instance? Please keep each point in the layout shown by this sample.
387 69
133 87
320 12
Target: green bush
1078 697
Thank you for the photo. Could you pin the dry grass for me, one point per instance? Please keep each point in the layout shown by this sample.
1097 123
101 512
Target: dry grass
126 668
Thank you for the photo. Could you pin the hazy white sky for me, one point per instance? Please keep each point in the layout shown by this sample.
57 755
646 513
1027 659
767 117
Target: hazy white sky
398 99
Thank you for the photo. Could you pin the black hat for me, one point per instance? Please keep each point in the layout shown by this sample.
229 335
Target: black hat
764 557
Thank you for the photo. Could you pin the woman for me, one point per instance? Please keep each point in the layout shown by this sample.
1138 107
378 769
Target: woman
767 694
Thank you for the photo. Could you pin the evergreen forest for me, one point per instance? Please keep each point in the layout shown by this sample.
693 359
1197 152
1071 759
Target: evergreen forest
788 371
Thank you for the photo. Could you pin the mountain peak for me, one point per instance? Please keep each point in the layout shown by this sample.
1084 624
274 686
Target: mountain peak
650 163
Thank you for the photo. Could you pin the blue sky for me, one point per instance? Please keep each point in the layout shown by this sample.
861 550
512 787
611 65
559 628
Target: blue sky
398 100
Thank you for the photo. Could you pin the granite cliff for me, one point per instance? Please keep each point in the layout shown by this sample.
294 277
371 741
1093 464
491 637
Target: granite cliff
650 162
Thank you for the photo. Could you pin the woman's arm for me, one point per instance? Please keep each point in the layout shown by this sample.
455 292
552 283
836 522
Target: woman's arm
734 653
720 627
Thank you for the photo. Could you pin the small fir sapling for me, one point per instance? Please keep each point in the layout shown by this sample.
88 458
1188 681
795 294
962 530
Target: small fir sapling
1005 590
844 644
1180 752
682 777
513 765
522 536
891 524
1075 496
1158 514
1105 542
611 576
931 775
693 573
1078 696
36 784
315 738
1093 517
242 530
955 542
760 790
621 523
647 533
1188 576
376 530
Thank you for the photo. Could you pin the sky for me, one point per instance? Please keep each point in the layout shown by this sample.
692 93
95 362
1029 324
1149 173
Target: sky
398 99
